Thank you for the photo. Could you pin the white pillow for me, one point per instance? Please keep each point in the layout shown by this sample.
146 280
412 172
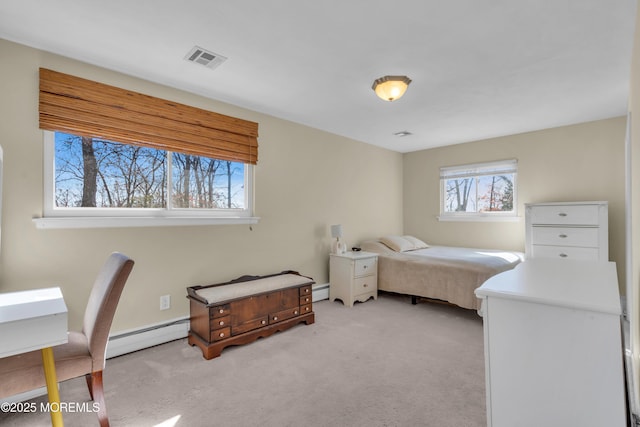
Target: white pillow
397 243
417 243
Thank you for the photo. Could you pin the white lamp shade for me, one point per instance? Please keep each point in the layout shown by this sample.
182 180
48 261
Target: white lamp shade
336 230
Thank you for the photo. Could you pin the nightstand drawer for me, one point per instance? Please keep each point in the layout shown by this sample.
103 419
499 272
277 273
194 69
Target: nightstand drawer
567 214
362 285
565 236
365 266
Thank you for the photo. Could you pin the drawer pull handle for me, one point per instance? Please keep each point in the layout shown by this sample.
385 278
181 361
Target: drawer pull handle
295 312
306 291
221 311
562 236
221 334
365 285
222 323
264 322
275 317
563 255
562 214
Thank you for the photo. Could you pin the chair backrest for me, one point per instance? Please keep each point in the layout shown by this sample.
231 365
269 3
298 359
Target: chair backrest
102 305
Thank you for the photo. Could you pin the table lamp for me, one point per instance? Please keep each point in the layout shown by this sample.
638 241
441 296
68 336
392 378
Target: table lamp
337 247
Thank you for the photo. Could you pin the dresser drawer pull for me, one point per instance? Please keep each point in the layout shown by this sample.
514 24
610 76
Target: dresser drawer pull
221 311
562 214
365 285
264 322
306 291
295 311
563 255
562 236
221 323
221 334
275 317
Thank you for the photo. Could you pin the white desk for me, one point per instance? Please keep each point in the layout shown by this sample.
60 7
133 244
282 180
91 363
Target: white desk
553 350
35 320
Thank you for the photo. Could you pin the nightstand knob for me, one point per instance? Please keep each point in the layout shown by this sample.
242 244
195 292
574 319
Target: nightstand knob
562 214
562 236
563 255
365 285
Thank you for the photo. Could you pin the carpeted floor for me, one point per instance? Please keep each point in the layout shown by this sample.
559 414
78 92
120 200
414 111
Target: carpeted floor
380 363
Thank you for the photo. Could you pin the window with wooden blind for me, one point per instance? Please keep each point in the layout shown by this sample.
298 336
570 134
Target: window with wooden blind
120 158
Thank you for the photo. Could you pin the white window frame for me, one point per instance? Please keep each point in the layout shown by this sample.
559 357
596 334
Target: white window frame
56 217
475 170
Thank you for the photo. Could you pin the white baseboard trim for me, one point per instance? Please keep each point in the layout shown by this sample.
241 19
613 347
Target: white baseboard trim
137 339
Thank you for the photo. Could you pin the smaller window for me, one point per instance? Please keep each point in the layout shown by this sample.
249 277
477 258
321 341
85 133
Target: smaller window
478 191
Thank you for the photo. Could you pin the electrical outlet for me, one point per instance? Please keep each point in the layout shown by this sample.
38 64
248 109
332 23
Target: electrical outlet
165 302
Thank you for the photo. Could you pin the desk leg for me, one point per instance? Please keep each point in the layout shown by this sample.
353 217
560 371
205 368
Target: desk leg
52 386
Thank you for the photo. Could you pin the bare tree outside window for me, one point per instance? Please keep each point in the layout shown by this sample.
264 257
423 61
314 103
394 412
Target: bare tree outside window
90 172
479 188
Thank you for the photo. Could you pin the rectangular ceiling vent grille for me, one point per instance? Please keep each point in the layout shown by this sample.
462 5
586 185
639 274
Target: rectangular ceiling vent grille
204 57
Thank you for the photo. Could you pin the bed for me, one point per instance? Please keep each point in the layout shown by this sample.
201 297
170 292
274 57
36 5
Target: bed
409 266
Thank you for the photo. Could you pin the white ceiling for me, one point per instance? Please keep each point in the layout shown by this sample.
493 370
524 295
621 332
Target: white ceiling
480 68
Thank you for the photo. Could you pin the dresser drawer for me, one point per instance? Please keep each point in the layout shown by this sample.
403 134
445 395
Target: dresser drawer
363 285
365 266
284 315
565 236
220 322
305 299
220 334
567 252
566 214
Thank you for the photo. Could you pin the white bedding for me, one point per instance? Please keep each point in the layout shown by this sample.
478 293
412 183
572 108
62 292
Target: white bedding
440 272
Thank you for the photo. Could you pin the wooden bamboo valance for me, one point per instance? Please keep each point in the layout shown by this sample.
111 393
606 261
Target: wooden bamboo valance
87 108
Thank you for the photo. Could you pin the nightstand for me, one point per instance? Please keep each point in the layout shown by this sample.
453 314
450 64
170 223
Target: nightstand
353 276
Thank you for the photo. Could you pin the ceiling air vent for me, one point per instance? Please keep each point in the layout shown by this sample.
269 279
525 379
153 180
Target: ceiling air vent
205 57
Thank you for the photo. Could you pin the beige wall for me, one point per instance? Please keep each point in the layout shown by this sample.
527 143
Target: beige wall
572 163
306 180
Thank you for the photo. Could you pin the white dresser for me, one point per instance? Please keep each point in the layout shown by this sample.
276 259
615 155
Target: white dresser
553 350
353 276
572 230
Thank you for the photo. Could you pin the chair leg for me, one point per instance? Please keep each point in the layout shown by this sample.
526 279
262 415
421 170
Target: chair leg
89 385
96 390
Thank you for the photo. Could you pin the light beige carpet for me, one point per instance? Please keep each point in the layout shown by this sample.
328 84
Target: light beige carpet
380 363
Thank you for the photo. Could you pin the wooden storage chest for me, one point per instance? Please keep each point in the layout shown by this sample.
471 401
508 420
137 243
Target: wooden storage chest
250 307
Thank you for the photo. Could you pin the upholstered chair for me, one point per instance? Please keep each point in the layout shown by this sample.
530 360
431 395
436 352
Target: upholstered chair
84 353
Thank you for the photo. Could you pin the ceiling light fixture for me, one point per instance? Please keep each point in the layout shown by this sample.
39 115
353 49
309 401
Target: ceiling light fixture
391 88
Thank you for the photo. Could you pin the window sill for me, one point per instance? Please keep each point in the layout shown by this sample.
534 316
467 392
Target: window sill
118 222
480 218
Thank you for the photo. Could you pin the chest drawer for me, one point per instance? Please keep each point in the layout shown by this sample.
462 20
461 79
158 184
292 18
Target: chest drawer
565 236
365 267
568 214
567 252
